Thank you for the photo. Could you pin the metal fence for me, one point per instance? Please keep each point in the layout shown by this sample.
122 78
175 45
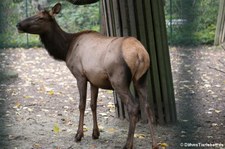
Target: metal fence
12 11
188 21
191 21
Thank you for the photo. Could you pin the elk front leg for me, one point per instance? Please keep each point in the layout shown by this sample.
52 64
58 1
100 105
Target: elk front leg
82 87
94 96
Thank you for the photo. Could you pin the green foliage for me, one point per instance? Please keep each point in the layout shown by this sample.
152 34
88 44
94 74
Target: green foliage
199 24
77 18
71 19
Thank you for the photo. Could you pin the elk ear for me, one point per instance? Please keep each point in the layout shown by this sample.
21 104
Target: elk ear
56 9
39 7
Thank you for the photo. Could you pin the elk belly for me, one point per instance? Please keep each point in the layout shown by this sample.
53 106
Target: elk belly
98 79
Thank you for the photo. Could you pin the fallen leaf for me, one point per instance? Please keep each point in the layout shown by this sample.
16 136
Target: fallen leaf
164 145
109 91
56 128
207 85
11 137
139 136
85 129
209 137
214 124
111 130
183 131
215 96
103 114
101 128
44 110
65 107
18 105
217 111
36 146
211 109
27 97
209 112
51 92
29 109
183 136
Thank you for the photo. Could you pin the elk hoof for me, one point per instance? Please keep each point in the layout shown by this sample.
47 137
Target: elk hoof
95 134
155 147
78 137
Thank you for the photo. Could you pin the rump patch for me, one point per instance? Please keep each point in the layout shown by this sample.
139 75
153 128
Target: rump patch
136 57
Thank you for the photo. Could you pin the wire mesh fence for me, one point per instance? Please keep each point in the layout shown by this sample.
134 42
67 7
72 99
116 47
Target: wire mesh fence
191 22
72 19
188 21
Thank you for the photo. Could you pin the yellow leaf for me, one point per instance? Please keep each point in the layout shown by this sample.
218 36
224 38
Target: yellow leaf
51 92
109 91
36 146
163 145
111 130
111 105
85 129
217 111
27 97
56 128
18 105
140 136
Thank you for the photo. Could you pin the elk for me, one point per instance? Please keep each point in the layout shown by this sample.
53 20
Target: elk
105 62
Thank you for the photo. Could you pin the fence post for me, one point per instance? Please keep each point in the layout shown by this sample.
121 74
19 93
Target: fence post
220 26
26 5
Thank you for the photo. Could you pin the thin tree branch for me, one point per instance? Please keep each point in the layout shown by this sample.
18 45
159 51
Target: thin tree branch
217 69
222 62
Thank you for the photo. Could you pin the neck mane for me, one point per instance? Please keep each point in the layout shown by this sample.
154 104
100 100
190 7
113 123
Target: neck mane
57 42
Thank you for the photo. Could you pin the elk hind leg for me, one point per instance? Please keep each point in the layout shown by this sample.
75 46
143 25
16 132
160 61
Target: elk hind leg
141 91
133 111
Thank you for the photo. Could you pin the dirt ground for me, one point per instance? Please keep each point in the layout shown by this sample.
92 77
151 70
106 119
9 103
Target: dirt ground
39 104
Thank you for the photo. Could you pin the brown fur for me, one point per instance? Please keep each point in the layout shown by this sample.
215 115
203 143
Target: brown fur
136 57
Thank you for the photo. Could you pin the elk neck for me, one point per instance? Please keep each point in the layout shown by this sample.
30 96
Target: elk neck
57 42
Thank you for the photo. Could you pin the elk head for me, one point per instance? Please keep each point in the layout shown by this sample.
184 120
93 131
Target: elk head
40 23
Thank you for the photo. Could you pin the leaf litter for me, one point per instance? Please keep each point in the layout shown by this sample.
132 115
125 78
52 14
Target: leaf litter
44 86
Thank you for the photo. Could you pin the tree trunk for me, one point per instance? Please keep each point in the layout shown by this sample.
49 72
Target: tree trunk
145 20
220 27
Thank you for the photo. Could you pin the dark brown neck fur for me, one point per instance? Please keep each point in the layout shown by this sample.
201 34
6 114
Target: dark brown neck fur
57 42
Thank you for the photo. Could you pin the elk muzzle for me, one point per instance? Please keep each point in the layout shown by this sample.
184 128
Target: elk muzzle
19 28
